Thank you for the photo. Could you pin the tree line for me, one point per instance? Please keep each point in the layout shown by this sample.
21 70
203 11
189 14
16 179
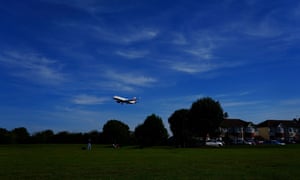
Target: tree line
20 135
151 132
187 125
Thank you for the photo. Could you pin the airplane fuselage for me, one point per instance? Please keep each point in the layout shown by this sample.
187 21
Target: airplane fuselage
123 100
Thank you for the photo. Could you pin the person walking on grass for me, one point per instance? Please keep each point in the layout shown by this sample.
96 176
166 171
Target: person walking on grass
89 145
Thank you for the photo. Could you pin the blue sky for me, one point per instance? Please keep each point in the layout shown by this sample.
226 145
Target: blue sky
62 61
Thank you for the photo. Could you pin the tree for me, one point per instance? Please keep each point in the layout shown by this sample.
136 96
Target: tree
205 117
4 136
151 132
93 135
116 132
61 137
179 126
67 137
43 136
226 115
20 135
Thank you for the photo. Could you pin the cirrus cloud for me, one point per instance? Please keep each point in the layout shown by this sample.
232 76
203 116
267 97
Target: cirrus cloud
34 67
84 99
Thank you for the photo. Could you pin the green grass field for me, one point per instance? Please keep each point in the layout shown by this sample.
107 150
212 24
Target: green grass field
70 162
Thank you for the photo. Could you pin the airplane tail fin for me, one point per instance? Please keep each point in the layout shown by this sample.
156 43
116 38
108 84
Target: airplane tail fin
133 100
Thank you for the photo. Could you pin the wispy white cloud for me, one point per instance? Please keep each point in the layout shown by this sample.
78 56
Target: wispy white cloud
179 39
120 81
235 94
203 53
128 34
34 67
182 99
265 28
111 32
139 35
259 25
93 6
191 67
116 86
201 45
84 99
134 79
132 54
198 53
240 103
238 99
295 101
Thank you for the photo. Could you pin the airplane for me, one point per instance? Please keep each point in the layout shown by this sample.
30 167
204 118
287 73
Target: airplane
123 100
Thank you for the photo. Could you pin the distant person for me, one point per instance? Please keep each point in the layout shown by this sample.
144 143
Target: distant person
89 146
116 146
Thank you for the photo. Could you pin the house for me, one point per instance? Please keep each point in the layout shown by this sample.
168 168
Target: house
283 130
236 131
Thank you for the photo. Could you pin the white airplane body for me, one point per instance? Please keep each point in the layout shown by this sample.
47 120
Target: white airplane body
123 100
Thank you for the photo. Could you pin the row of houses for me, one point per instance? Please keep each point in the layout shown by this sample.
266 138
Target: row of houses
237 131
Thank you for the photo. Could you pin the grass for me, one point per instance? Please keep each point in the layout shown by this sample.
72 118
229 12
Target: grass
70 162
